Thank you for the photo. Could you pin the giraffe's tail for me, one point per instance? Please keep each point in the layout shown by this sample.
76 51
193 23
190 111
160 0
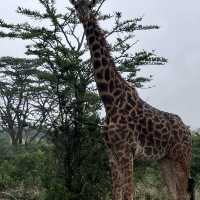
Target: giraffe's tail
191 188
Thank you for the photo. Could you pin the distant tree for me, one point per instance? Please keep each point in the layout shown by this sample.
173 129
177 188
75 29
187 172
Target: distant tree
15 96
66 83
24 107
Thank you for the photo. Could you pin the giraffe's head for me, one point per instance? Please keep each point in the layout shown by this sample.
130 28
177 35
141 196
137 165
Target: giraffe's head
83 8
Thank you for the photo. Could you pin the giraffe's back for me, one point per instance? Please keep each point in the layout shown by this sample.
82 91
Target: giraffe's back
159 134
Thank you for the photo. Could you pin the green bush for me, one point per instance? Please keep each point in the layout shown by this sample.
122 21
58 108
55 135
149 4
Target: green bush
35 172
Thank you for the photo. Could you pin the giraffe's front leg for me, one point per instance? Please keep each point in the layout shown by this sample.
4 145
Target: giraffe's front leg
122 172
116 177
127 173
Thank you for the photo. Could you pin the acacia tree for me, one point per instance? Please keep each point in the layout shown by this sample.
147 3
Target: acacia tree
66 83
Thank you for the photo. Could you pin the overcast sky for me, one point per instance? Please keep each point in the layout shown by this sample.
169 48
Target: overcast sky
176 85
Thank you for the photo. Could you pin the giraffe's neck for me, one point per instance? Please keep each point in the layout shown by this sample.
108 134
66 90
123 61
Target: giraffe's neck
109 83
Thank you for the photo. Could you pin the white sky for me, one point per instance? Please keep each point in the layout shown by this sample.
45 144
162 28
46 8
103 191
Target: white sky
177 83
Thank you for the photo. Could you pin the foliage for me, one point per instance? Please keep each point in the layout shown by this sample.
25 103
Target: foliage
37 167
32 173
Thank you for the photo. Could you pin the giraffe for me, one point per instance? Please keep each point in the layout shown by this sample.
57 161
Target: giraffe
134 129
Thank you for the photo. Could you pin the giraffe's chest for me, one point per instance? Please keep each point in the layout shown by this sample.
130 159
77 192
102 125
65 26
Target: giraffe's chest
144 146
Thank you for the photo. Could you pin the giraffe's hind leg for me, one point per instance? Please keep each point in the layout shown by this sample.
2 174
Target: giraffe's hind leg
168 177
175 177
182 177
